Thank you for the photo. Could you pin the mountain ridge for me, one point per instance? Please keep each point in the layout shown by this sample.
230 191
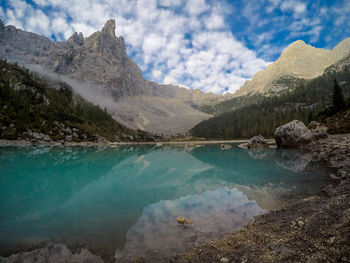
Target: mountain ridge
101 61
298 60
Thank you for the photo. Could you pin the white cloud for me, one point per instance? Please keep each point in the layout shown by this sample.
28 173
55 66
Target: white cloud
296 7
214 21
157 74
196 7
192 48
2 14
40 2
170 3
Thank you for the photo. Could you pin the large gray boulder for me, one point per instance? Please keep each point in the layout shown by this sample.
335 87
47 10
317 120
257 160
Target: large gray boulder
292 134
257 142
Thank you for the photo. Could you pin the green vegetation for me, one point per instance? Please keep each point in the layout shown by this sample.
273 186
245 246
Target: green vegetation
305 102
28 102
230 105
338 98
242 101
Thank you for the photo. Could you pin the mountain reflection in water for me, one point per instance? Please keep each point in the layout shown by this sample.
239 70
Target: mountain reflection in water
123 201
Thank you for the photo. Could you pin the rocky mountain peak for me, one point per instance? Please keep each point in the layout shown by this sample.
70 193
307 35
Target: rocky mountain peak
343 46
297 43
109 28
298 60
297 48
77 39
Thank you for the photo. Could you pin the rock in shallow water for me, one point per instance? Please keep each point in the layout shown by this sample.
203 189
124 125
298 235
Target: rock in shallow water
292 134
257 142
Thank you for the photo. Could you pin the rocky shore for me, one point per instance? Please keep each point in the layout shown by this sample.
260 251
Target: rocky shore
315 229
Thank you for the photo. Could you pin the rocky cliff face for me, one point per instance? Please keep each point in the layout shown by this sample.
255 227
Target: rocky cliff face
101 60
299 60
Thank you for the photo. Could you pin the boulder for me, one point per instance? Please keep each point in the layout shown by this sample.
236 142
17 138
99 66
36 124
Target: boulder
69 138
319 133
68 130
257 142
314 125
102 140
292 134
47 138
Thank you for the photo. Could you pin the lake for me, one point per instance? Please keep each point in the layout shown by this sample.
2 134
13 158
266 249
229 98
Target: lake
123 202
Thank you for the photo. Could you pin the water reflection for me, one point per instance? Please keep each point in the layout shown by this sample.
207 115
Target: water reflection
128 198
293 160
156 235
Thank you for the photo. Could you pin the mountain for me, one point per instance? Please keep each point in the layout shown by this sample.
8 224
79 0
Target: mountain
298 61
307 101
37 109
101 64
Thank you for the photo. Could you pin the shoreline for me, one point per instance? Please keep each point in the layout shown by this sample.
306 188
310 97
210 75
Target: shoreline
25 143
314 229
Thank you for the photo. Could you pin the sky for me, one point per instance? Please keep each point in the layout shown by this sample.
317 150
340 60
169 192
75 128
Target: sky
210 45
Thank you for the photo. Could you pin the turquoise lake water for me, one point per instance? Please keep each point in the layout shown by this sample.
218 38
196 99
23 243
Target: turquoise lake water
123 202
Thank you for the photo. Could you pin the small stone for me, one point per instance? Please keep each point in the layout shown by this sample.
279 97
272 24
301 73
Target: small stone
224 260
139 260
180 220
225 146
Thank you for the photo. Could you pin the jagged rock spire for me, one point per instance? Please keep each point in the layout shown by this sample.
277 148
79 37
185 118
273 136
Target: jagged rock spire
78 39
1 25
109 28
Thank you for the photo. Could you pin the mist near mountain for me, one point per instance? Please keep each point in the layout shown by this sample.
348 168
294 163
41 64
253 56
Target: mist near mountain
99 69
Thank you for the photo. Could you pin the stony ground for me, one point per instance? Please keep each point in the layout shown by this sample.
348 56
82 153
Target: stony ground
311 230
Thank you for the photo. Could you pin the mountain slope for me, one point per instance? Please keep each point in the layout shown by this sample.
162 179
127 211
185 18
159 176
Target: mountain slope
300 61
100 61
38 109
304 103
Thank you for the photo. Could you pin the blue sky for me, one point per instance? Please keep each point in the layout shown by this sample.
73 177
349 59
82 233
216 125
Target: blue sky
211 45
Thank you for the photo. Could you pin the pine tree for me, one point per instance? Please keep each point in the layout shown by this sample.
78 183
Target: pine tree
338 97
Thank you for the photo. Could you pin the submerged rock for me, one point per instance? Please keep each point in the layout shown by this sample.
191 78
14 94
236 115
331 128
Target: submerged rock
292 134
225 146
52 253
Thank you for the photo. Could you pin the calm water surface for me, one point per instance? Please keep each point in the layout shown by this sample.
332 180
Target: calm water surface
123 202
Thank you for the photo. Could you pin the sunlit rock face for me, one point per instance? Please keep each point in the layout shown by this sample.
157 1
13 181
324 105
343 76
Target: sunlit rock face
101 61
299 60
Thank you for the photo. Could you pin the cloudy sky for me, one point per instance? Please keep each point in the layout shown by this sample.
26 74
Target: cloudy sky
211 45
